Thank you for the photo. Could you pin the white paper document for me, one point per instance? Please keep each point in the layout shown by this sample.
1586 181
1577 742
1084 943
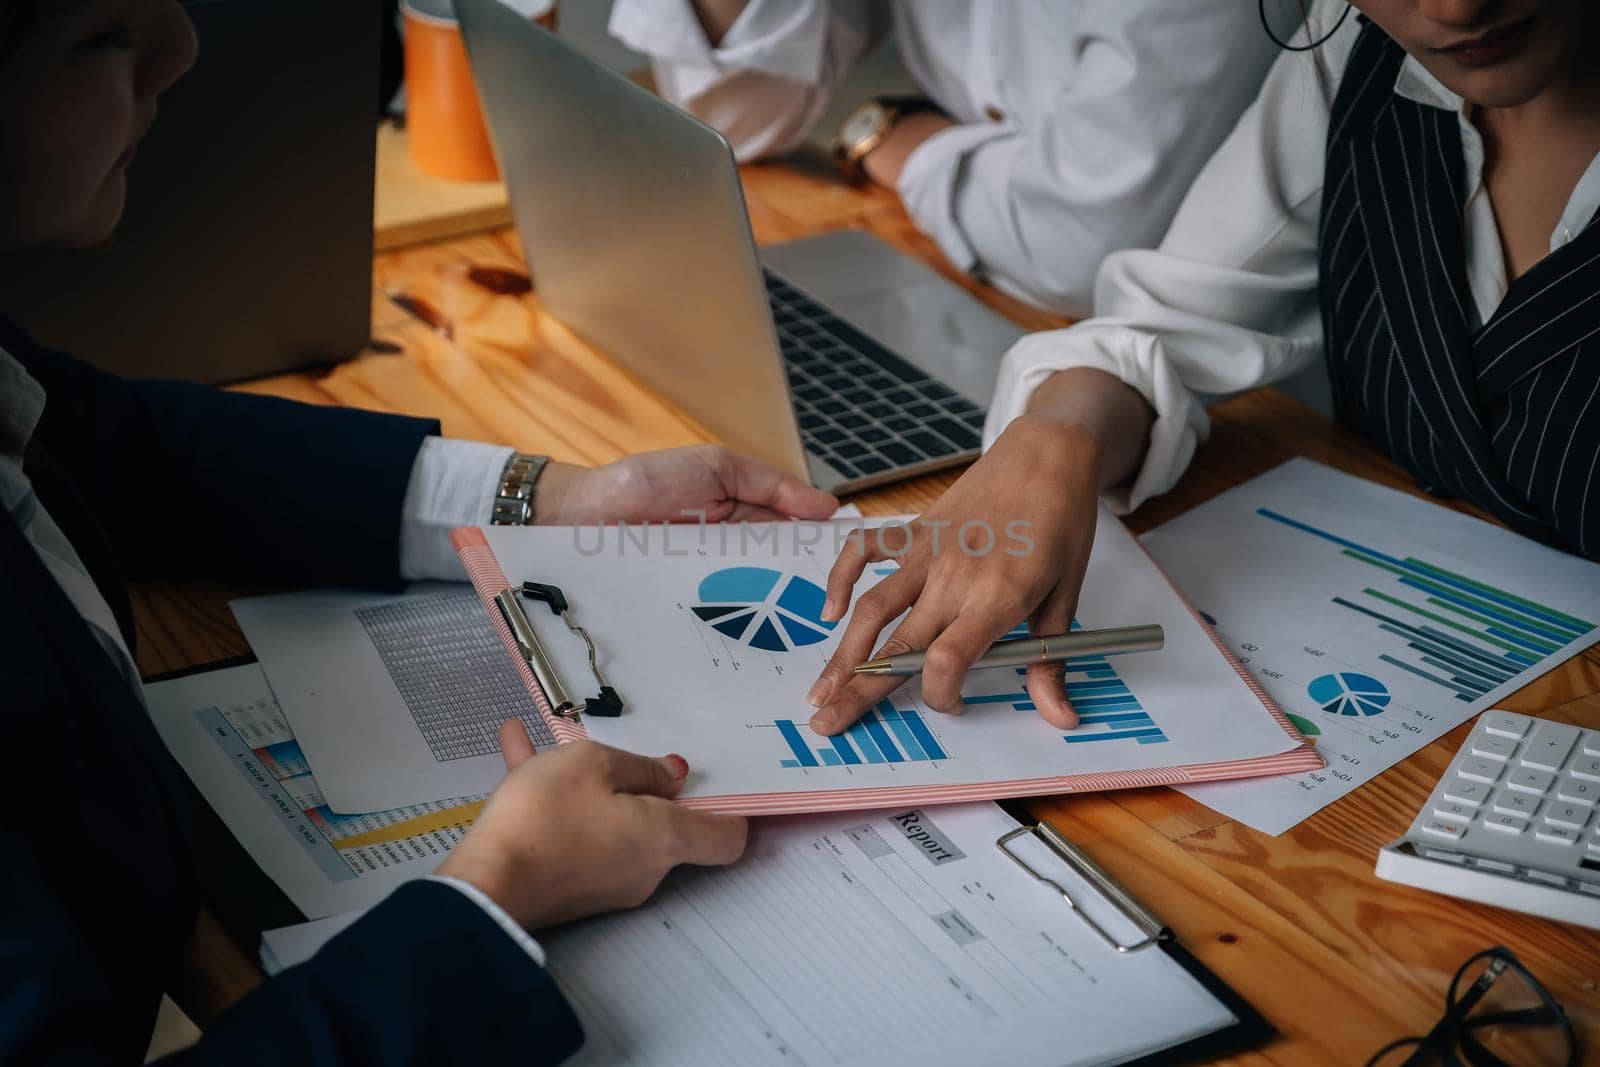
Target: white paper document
227 732
1379 621
395 699
863 938
713 635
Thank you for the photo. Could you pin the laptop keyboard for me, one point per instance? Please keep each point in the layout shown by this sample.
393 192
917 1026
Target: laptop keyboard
861 407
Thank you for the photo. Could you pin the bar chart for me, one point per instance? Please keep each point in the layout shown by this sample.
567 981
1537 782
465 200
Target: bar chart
1107 709
1464 636
885 734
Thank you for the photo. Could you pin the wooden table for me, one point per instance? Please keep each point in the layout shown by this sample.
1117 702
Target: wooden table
1338 961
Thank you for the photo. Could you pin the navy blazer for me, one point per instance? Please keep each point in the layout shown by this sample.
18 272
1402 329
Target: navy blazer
171 479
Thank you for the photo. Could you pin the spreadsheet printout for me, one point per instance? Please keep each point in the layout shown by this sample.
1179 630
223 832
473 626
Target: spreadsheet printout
228 734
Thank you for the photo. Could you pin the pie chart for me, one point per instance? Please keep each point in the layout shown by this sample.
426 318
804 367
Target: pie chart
1307 728
1349 693
763 608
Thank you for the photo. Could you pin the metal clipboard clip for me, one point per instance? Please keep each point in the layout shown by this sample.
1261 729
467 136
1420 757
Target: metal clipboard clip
1153 929
607 704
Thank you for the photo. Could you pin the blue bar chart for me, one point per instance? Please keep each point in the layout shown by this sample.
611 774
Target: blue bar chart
885 734
1107 709
1462 635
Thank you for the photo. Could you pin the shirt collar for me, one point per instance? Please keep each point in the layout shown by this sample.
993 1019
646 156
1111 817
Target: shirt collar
1414 83
21 403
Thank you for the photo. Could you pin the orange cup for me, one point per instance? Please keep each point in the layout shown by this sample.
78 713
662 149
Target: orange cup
444 121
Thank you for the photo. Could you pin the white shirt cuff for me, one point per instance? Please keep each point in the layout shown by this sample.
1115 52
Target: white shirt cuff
453 483
523 939
928 186
1130 356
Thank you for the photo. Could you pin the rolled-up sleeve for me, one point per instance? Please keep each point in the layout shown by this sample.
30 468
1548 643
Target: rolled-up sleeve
1227 302
1034 206
769 79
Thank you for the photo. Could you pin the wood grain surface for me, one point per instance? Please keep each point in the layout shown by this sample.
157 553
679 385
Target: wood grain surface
1338 961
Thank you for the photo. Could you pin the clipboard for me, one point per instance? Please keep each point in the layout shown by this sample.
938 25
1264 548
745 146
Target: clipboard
562 703
1250 1027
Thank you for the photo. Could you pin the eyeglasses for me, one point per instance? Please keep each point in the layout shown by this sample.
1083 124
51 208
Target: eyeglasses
1495 1015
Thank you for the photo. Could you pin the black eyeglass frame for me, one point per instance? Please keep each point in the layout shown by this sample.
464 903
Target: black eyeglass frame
1455 1028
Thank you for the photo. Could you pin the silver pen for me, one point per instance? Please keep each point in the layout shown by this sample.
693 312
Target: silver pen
1041 648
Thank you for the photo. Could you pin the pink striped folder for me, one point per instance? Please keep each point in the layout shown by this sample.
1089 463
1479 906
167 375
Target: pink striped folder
488 580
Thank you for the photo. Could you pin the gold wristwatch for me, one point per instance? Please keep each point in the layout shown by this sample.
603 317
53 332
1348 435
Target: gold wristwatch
513 503
865 128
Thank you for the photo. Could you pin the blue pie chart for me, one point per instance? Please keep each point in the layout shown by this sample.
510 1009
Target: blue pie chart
1349 693
763 608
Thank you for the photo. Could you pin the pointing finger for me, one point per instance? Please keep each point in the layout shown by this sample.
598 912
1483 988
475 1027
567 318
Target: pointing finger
515 744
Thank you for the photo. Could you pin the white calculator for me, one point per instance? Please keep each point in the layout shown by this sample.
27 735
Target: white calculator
1512 822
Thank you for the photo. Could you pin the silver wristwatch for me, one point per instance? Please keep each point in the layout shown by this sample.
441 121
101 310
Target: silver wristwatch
513 504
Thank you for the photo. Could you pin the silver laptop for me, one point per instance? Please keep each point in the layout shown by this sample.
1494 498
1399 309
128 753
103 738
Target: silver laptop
834 357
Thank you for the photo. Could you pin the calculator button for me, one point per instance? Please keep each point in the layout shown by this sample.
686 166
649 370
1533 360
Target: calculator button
1458 812
1495 865
1462 791
1451 828
1506 824
1588 769
1490 747
1551 744
1444 855
1575 792
1509 803
1593 847
1506 724
1591 743
1588 887
1479 769
1546 877
1556 835
1571 816
1528 780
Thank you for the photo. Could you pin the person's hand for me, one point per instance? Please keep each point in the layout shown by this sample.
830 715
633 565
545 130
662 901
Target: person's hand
584 829
1009 540
676 485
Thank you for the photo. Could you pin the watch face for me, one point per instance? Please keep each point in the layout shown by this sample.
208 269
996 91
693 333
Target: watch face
865 122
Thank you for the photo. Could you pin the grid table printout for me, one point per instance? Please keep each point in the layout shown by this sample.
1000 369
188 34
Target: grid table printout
453 673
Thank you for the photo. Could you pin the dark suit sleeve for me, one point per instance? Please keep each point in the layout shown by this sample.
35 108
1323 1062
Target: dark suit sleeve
423 978
190 481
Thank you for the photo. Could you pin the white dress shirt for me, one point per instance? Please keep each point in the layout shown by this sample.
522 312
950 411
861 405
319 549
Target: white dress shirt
1080 125
453 483
1228 302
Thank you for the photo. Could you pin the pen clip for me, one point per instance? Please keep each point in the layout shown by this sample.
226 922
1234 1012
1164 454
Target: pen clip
1152 928
607 704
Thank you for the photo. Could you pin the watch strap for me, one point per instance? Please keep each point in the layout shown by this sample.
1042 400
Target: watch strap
513 502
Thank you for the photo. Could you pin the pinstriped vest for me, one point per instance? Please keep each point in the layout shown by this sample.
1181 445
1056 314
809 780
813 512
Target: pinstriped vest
1507 416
